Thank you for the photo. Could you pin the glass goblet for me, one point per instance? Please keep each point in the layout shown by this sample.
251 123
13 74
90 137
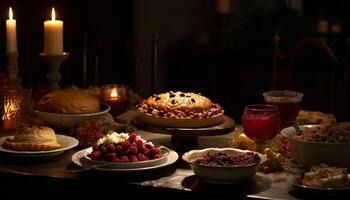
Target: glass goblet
261 122
287 102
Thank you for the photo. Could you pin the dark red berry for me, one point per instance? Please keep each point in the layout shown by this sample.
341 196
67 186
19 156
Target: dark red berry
110 147
267 169
133 150
119 149
124 159
133 158
126 144
154 151
111 156
116 160
139 142
148 146
157 156
132 137
102 149
142 157
95 155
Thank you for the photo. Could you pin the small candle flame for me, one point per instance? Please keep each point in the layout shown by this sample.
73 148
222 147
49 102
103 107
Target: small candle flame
114 93
10 14
53 14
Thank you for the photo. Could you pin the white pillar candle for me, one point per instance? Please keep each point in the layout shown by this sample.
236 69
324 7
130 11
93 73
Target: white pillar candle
11 35
53 36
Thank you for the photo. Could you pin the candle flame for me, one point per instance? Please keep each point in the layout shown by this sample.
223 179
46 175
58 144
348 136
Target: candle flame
53 14
10 14
114 93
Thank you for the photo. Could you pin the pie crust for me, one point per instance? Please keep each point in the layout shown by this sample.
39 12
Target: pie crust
33 139
180 109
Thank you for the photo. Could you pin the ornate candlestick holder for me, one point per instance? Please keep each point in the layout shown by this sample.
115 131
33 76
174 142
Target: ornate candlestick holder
53 77
12 70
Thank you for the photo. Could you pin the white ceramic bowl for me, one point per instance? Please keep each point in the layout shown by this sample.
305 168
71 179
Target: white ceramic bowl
314 153
218 174
70 120
164 151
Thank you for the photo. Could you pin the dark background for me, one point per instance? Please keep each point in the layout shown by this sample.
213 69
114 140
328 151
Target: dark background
226 57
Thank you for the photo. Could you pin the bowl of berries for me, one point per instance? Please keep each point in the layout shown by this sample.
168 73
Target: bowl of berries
125 151
223 165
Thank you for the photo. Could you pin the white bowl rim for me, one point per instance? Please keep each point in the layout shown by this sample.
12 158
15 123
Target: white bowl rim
283 132
106 110
187 154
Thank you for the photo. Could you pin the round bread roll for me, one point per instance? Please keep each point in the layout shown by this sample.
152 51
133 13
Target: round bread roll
33 138
69 101
180 109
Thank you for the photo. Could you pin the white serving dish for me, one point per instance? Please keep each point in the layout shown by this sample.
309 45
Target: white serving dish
314 153
216 174
70 120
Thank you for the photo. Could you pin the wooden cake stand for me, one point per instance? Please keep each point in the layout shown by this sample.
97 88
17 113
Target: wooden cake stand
187 138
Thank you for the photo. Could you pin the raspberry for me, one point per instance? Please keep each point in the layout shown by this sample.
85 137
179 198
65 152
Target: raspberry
133 150
110 148
154 151
133 158
102 149
119 149
148 146
142 157
95 155
156 156
116 160
126 144
124 159
111 156
132 138
143 149
139 142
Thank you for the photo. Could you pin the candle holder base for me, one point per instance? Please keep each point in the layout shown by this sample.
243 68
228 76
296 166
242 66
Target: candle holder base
14 81
54 62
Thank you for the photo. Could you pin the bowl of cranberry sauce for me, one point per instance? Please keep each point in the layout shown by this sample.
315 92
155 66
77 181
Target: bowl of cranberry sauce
223 165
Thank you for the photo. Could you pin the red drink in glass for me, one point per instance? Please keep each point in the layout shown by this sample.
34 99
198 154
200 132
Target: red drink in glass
261 122
287 102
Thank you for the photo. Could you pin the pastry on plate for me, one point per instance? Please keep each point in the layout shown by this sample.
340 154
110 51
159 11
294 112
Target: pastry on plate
180 109
314 117
69 101
324 176
33 138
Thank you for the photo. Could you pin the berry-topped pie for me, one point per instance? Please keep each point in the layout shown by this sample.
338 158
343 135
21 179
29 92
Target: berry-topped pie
180 109
33 138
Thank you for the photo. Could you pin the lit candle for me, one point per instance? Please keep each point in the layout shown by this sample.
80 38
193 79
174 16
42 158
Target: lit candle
11 35
223 6
53 35
11 109
114 93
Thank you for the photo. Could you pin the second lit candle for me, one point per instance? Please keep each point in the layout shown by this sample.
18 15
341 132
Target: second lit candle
53 36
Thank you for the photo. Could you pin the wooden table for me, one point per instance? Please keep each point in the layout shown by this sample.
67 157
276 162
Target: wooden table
51 178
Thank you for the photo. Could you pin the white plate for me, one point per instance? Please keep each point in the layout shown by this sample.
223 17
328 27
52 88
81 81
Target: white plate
79 159
67 142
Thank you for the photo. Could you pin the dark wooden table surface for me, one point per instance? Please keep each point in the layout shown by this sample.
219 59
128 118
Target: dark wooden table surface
52 178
